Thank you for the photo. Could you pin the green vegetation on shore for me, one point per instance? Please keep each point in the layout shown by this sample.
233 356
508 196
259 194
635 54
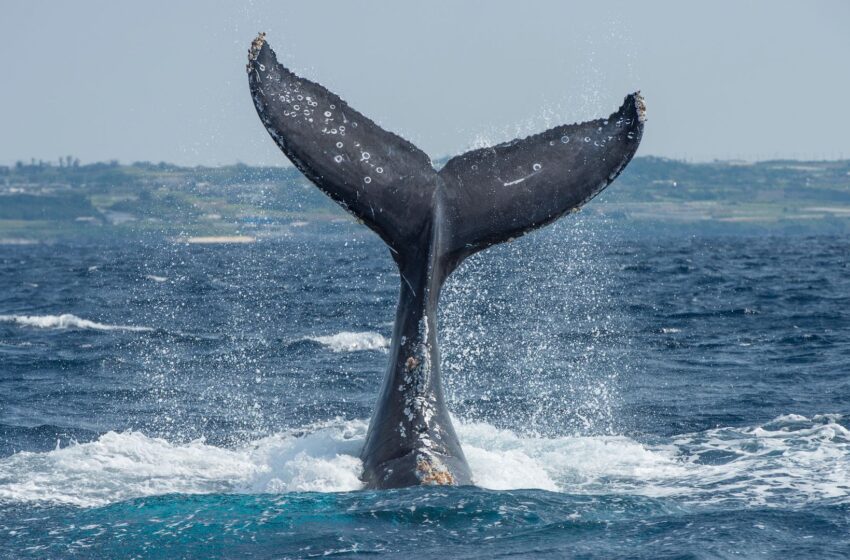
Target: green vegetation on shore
42 201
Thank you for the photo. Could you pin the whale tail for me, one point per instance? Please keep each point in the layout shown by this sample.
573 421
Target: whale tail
491 194
431 220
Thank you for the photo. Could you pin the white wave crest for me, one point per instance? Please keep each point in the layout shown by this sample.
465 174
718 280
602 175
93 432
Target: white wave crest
66 321
790 460
352 341
120 466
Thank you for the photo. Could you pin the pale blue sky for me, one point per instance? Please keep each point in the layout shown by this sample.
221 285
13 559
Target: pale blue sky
165 80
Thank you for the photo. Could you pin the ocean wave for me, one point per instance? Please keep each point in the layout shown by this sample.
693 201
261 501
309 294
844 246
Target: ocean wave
352 341
66 321
121 466
790 460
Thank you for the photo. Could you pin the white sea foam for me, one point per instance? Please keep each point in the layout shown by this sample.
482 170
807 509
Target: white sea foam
156 278
120 466
352 341
790 460
66 321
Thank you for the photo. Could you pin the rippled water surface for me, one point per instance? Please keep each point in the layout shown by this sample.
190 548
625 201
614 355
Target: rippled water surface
616 395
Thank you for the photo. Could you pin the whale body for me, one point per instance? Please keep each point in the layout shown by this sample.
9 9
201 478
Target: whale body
431 221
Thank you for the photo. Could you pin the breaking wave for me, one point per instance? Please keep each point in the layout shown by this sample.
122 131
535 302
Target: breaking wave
352 341
790 460
66 321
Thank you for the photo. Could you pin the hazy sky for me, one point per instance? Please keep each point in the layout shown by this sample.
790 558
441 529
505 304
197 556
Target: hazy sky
165 80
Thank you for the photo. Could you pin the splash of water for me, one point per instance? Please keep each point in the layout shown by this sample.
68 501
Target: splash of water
789 460
537 316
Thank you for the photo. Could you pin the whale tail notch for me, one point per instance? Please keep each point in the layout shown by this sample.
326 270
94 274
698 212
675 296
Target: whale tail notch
489 195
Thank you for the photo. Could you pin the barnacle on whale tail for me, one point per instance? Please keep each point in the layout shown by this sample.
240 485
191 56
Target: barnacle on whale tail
256 46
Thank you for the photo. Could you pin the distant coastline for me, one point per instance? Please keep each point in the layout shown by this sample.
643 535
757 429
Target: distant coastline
42 201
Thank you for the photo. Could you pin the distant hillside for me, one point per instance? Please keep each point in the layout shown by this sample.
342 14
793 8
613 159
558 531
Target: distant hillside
650 179
45 201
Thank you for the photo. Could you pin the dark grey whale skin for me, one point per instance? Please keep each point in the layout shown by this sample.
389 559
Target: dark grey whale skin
431 221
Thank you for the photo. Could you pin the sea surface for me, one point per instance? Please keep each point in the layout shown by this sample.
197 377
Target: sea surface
617 394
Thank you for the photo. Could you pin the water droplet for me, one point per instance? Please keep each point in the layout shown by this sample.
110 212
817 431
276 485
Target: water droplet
367 180
263 67
300 98
306 112
587 138
333 131
474 167
297 107
380 169
537 167
333 106
551 142
354 124
338 159
565 139
342 129
328 113
630 135
339 144
365 156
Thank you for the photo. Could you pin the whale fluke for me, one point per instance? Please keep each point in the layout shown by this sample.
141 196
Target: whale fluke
343 152
501 192
431 221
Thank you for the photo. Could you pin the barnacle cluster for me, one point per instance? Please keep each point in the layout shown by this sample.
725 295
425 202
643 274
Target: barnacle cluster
256 45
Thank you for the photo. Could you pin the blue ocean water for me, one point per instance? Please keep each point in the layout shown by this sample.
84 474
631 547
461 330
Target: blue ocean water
617 395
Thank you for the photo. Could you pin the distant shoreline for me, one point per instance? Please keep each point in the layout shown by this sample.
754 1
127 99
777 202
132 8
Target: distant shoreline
43 202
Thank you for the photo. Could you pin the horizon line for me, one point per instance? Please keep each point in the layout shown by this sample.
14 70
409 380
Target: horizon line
72 162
